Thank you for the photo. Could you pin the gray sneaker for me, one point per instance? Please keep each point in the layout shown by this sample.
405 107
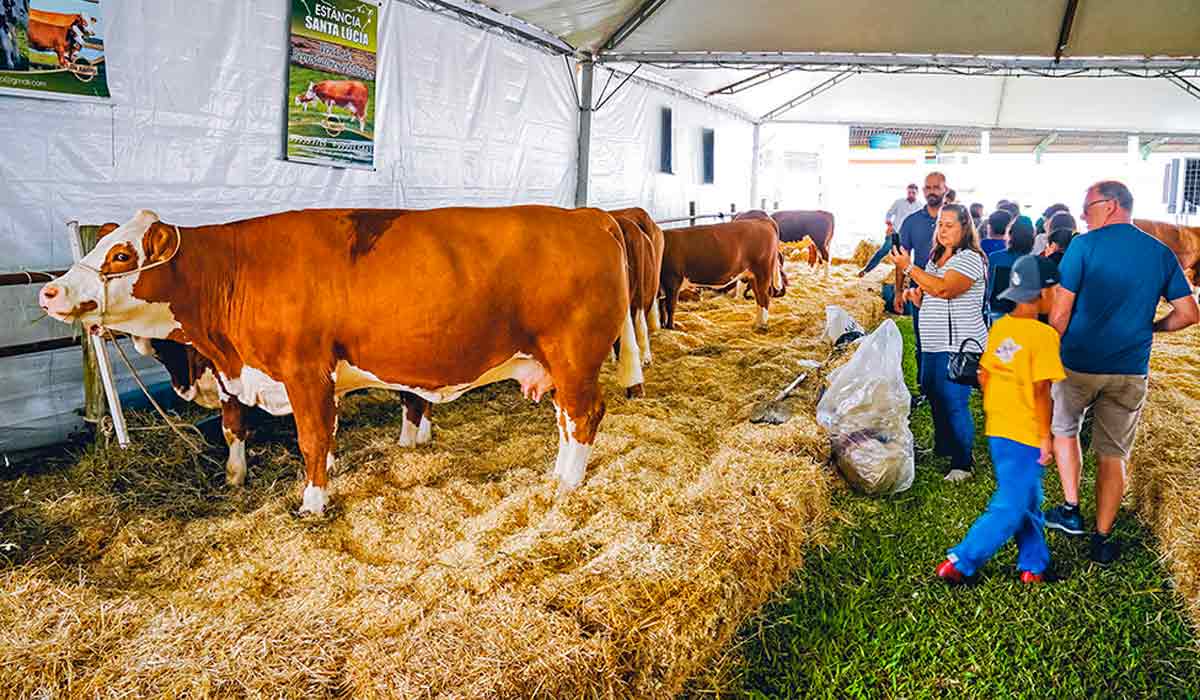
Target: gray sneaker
1057 518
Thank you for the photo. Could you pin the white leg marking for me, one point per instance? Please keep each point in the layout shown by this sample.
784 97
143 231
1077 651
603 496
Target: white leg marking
643 338
408 431
424 431
740 289
571 464
629 365
315 499
760 321
235 466
655 322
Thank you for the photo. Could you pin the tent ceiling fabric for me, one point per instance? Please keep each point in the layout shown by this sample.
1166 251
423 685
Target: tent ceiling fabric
969 27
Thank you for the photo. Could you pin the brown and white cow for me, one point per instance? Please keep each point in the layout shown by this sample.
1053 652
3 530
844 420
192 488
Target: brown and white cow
715 255
350 95
61 33
194 378
1184 241
795 225
643 219
305 306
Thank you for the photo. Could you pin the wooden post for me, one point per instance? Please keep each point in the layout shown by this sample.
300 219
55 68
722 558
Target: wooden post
93 387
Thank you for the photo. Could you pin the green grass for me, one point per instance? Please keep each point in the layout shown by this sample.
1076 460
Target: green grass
867 618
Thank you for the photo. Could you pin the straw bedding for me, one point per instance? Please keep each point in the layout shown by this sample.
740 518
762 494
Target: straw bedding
450 570
1165 467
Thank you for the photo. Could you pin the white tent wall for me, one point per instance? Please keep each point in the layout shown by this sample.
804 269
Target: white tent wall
194 132
625 153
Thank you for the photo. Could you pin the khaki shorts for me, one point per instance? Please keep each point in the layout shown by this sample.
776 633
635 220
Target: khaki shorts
1116 401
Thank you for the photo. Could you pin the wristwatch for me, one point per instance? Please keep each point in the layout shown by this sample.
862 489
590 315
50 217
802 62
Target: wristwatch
908 269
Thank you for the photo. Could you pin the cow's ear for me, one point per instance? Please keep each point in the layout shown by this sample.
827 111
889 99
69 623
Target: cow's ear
107 229
160 242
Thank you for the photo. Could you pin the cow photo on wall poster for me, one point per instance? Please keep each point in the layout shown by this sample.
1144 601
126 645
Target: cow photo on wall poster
52 48
331 83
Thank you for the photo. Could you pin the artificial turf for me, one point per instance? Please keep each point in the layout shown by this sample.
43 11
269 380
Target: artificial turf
866 617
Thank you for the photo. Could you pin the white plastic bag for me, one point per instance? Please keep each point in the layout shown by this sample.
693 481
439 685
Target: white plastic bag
839 322
865 410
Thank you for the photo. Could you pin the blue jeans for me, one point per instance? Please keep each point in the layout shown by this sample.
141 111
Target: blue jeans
953 424
879 254
1014 511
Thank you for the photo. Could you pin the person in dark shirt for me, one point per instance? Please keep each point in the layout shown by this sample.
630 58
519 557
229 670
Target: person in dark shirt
997 226
978 220
1113 279
1019 242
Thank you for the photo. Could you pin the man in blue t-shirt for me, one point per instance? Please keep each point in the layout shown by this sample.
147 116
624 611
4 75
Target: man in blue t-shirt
916 237
1113 278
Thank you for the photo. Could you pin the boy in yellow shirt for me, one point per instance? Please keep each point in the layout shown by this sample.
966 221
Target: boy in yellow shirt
1021 362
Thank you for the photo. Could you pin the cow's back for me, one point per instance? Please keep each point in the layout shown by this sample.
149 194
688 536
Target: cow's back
1184 241
713 254
794 225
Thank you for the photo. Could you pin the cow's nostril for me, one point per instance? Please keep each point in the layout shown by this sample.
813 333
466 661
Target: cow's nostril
49 292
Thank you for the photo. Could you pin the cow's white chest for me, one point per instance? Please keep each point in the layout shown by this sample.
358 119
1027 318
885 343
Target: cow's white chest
255 388
522 367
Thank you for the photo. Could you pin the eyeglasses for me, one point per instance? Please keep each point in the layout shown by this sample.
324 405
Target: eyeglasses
1088 205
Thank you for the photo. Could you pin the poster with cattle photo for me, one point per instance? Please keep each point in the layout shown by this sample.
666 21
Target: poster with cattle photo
331 83
52 48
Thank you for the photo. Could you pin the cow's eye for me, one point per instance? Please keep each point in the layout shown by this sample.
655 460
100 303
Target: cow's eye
121 257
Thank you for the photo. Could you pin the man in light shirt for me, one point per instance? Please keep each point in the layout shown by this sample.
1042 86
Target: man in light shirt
895 216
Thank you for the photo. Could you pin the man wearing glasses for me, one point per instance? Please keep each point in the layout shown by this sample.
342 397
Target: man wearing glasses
1112 281
916 238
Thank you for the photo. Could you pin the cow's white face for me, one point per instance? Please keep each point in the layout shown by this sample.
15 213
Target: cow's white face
307 96
121 255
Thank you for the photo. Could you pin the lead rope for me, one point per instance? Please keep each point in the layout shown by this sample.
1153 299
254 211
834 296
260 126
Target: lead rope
170 423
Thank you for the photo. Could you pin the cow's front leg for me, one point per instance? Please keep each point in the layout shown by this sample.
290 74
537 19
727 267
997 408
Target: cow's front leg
233 426
313 406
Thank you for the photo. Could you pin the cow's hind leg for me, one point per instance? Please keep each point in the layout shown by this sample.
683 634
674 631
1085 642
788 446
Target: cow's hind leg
313 405
233 426
578 411
643 337
655 319
762 296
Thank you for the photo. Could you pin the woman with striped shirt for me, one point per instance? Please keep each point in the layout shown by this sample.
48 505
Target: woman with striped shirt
950 293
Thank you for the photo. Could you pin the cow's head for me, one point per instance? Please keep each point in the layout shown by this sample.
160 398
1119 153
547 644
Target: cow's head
307 96
99 290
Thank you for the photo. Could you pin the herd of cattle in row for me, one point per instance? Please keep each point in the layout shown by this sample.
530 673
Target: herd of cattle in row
289 312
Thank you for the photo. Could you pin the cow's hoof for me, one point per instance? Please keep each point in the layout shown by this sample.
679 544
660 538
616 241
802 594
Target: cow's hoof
760 328
647 359
636 391
235 479
314 501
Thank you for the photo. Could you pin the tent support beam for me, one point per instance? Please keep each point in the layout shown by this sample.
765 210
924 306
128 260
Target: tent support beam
754 166
916 64
482 17
1185 85
1148 147
806 96
584 149
1039 149
631 24
753 81
1064 30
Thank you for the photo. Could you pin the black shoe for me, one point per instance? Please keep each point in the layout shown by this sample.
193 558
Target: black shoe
1105 548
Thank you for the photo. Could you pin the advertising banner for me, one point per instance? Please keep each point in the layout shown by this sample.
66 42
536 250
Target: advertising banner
331 83
52 49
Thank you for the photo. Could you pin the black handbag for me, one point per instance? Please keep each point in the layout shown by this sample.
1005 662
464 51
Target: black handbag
963 367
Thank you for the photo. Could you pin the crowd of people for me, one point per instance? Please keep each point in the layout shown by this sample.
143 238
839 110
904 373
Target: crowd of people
1061 323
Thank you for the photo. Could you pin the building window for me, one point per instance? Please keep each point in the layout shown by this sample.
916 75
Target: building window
664 160
708 139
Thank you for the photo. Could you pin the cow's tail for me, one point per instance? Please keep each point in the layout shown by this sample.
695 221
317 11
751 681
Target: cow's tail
779 280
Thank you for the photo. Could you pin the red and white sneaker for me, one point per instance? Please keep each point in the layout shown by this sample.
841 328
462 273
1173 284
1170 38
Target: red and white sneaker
948 573
1028 578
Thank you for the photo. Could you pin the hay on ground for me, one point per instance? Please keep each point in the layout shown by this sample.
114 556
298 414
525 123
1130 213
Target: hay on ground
447 571
863 252
1164 470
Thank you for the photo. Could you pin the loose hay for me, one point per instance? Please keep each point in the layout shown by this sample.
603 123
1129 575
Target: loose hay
1165 467
862 253
445 571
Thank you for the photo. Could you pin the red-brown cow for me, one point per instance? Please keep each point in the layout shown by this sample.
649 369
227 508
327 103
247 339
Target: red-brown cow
305 306
194 378
655 234
1184 241
643 287
715 255
61 33
817 225
350 95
